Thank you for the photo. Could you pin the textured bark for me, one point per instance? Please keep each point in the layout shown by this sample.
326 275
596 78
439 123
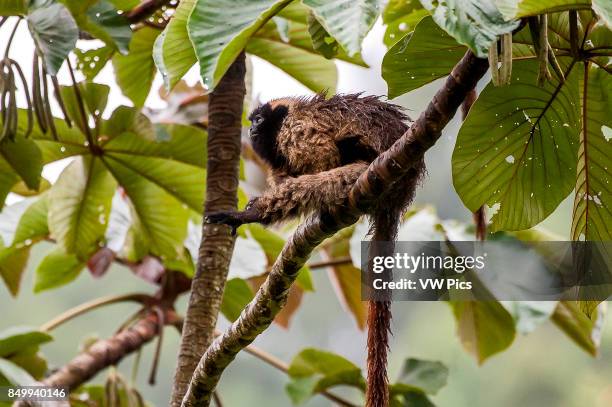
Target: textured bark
389 167
103 354
224 129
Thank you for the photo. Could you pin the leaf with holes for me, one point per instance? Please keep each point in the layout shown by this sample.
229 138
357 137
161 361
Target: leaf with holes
136 70
592 218
79 206
419 58
475 23
401 18
517 148
91 62
218 45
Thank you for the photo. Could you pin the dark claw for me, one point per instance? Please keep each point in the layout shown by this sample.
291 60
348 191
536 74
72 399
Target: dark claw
224 218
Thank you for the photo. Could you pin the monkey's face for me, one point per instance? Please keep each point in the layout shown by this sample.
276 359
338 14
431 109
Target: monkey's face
266 122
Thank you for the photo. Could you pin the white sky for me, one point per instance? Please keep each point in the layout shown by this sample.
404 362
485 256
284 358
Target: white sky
268 81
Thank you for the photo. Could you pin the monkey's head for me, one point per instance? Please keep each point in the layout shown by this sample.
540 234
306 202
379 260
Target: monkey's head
266 121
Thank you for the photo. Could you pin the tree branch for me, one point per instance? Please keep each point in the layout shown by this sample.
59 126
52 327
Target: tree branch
104 353
217 244
388 168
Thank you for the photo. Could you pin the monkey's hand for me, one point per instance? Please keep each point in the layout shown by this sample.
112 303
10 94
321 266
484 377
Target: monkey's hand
233 218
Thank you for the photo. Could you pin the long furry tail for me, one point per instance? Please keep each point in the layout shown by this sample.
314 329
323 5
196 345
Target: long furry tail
379 312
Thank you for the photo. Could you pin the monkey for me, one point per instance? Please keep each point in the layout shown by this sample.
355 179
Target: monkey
316 148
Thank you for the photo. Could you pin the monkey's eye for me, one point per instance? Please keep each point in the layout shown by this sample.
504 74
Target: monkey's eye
257 120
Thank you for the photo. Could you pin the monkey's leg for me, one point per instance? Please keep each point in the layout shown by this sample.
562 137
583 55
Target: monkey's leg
295 196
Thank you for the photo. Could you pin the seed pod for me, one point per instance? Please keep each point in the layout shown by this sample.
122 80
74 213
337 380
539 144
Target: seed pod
37 99
30 118
60 100
47 105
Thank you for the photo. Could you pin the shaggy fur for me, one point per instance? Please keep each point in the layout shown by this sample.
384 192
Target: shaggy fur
317 148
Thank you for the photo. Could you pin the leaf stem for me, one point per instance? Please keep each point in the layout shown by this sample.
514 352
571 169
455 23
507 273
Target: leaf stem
10 40
82 112
573 23
91 305
329 263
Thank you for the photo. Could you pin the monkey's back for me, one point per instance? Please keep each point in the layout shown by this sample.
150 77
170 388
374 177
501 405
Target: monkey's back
321 133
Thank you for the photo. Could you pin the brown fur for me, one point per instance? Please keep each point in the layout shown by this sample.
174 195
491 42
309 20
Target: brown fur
317 148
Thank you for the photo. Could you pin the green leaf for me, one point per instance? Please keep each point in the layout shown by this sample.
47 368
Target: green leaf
79 206
160 220
218 45
484 327
419 58
14 374
523 8
55 33
18 338
314 370
312 70
13 262
24 158
401 17
91 62
173 53
101 20
13 7
136 70
31 361
57 269
426 375
410 399
348 21
8 179
528 315
517 148
475 23
272 244
128 119
603 8
236 296
321 40
593 201
584 331
95 97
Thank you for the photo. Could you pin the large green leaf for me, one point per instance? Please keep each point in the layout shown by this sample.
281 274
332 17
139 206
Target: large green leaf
592 219
584 331
55 33
79 206
420 58
56 269
173 53
314 370
24 158
18 338
484 327
218 45
13 262
13 7
523 8
95 98
603 8
348 21
517 148
475 23
136 70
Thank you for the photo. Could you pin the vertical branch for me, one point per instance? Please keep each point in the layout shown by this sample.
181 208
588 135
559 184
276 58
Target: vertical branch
217 244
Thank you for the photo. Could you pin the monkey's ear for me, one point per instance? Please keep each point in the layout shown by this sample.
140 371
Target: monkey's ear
279 113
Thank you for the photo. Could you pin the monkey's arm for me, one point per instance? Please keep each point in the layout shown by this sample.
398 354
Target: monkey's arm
295 196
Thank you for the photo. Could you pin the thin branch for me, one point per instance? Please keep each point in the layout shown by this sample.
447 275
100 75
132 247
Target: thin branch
389 167
91 305
10 40
330 263
144 10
